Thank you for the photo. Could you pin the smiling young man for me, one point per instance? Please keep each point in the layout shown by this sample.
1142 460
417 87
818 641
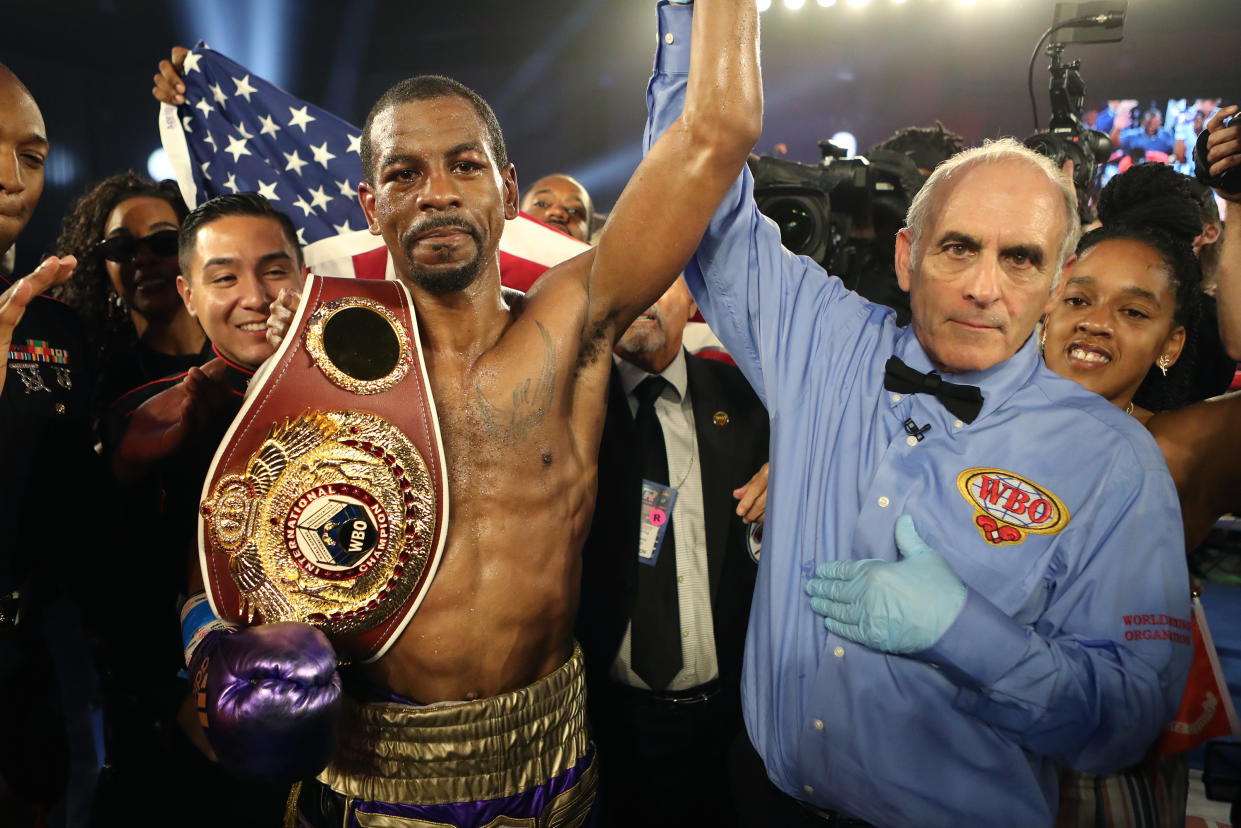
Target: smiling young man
994 556
490 721
236 254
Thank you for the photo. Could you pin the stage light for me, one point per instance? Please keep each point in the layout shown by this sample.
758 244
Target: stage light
847 141
258 34
158 165
764 5
794 5
61 169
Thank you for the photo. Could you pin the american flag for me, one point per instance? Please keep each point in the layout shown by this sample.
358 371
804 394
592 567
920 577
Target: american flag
236 132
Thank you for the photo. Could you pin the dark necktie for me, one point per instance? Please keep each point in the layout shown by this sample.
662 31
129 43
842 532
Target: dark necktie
964 401
656 632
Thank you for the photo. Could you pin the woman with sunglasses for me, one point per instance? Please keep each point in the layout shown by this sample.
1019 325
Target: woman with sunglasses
1125 312
124 233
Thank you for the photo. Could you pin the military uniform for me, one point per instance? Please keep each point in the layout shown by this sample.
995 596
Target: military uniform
45 504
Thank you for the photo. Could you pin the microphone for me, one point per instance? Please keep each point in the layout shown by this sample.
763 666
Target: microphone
913 430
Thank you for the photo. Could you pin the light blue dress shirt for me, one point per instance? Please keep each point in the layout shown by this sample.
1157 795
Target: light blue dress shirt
1054 507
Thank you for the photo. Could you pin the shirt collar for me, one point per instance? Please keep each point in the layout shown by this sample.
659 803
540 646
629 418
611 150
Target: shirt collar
237 376
997 383
675 374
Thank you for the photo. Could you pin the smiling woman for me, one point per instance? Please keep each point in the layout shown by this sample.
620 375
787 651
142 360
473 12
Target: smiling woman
124 234
1126 310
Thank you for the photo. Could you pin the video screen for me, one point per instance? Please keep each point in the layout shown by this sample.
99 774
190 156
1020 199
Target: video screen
1151 131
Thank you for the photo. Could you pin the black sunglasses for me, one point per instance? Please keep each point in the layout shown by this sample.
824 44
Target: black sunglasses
123 249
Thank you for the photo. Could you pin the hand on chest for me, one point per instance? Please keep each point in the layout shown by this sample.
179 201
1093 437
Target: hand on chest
995 506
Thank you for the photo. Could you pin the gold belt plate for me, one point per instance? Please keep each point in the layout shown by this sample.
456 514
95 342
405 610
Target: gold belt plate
330 523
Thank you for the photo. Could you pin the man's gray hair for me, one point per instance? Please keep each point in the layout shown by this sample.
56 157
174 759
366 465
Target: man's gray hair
992 152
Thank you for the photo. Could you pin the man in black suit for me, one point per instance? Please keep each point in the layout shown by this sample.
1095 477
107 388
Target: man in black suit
665 602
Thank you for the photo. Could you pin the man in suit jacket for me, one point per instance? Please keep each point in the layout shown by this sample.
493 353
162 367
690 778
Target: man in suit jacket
664 739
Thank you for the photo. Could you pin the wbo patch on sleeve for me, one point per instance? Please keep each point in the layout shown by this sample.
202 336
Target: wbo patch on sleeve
1008 507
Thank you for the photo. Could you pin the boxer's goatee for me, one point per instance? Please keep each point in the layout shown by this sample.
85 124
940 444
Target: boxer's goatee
442 281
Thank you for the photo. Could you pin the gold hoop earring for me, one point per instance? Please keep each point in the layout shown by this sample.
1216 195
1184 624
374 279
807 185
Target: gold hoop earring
1164 363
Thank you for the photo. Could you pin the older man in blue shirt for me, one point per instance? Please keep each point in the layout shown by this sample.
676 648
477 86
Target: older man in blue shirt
994 554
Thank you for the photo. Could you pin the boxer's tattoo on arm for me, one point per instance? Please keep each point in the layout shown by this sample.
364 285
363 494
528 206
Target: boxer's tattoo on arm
531 399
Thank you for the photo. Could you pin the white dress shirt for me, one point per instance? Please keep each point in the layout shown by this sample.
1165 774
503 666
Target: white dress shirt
676 417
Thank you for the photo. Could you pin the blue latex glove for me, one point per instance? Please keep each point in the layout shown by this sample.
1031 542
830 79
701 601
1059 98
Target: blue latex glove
900 606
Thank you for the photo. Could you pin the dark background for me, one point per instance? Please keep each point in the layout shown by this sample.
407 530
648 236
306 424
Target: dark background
567 79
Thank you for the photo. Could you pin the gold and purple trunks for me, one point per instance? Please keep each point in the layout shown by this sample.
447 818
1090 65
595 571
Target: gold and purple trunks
518 759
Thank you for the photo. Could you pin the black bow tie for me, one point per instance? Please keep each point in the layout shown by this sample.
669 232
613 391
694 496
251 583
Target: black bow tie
964 401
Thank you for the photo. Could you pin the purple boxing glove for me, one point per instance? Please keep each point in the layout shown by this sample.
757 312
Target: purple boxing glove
269 698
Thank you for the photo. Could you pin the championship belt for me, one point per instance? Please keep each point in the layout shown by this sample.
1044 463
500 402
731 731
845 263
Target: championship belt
327 501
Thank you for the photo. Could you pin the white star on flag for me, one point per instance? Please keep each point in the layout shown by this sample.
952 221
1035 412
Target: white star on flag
306 208
300 118
319 199
269 124
355 143
218 94
203 166
242 131
295 164
237 146
185 122
206 108
345 189
244 89
231 183
210 139
191 63
341 228
321 154
268 191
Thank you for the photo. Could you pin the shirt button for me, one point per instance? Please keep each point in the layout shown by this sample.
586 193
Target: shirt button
680 579
818 724
896 398
808 788
957 424
911 440
669 38
839 652
883 502
685 634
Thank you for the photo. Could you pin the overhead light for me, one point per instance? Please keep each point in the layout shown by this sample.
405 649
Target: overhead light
158 165
764 5
827 4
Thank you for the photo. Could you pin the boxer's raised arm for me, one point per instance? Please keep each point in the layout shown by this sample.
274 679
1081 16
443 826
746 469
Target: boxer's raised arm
660 217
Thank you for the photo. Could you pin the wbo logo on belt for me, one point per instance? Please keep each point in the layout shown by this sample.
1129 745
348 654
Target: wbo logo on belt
1007 506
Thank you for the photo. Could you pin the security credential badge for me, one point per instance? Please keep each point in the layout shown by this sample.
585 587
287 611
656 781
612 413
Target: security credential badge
657 503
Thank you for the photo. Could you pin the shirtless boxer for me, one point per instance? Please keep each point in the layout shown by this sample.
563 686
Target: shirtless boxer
520 388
